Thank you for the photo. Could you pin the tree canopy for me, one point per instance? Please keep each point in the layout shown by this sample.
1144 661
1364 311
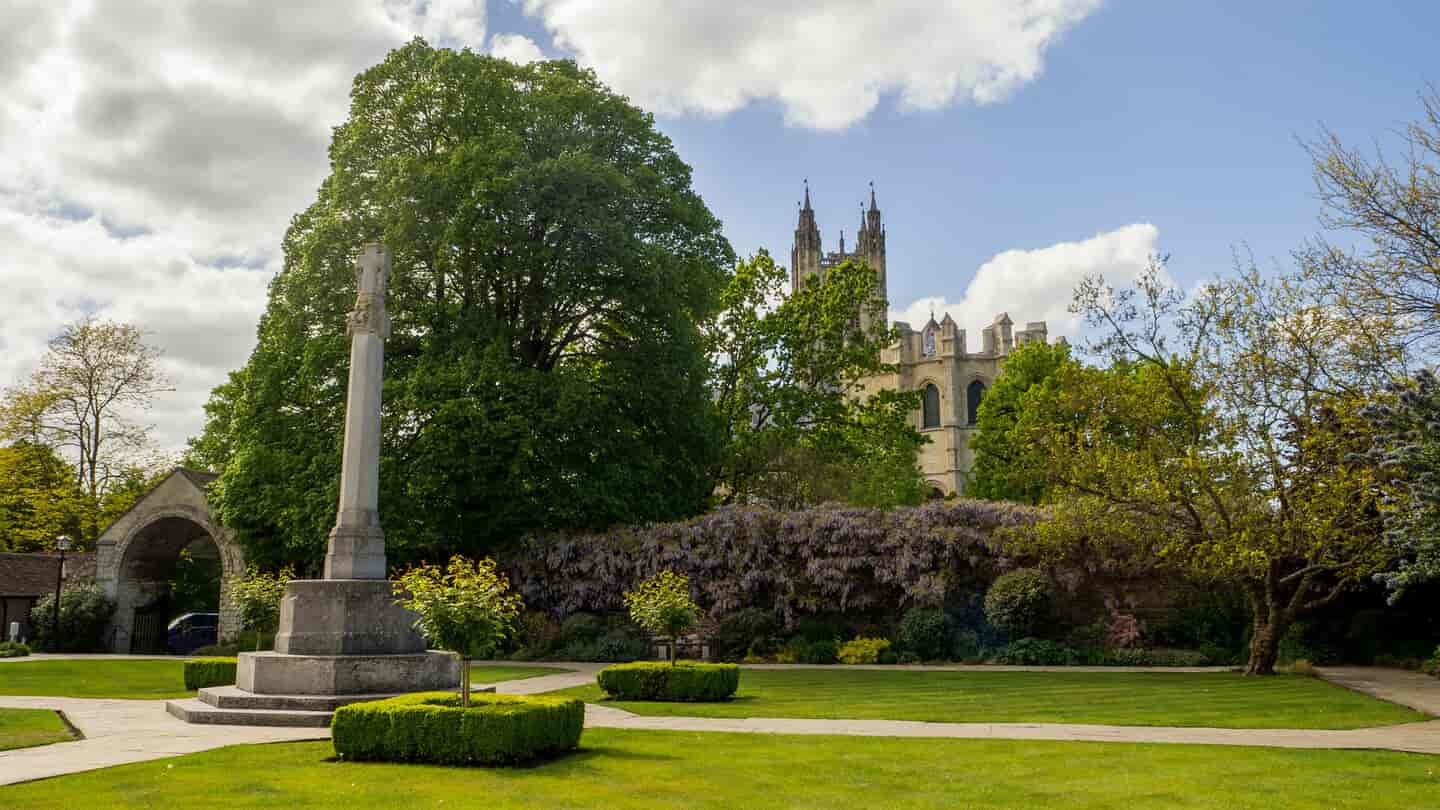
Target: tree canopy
1223 441
547 369
82 402
1006 467
798 428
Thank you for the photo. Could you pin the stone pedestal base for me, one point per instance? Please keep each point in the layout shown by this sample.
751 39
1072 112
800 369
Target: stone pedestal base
345 617
273 673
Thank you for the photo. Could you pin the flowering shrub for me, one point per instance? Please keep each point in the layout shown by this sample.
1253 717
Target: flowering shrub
1121 629
863 650
824 560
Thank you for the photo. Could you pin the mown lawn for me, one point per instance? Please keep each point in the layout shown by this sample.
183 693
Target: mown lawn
23 728
647 769
1219 699
145 680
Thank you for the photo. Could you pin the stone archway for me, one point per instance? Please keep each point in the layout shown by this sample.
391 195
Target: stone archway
137 554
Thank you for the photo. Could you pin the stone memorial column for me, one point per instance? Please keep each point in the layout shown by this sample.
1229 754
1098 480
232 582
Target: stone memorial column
344 634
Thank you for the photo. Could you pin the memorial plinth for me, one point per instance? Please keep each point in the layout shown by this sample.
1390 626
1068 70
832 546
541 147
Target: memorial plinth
342 638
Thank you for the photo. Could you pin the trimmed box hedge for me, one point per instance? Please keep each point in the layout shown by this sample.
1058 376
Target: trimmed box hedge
203 672
683 680
433 727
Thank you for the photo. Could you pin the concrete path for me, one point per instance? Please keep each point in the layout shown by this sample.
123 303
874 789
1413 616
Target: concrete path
117 732
1421 738
122 731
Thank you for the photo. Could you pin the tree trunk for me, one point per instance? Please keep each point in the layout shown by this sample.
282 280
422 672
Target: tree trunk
1264 644
465 682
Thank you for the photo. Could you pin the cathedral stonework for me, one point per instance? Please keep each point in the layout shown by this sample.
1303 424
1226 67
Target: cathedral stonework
935 359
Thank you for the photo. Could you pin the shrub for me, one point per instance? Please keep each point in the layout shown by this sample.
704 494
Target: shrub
1018 602
1432 664
13 649
922 632
907 657
84 613
1037 652
1217 655
433 727
964 645
863 650
826 651
257 595
203 672
823 628
662 606
744 632
887 657
681 680
1156 658
581 627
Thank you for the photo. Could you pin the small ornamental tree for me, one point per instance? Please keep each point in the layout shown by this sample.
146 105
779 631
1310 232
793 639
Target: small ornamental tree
466 608
662 606
257 596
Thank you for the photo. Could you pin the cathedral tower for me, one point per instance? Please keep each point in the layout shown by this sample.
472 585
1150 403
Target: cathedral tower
806 252
871 245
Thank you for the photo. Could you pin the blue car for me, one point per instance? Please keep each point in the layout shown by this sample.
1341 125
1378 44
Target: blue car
193 631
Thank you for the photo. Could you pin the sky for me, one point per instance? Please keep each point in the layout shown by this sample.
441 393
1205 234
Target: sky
152 152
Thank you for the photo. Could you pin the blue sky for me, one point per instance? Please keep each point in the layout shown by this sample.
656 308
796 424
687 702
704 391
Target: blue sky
156 149
1183 115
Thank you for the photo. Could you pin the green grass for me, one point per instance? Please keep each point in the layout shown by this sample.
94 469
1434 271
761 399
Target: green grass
1222 700
25 728
646 769
148 680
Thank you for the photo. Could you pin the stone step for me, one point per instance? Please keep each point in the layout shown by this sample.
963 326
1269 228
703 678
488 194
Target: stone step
193 710
233 697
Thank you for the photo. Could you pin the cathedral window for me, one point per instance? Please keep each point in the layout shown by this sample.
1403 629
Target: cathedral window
927 343
931 414
973 395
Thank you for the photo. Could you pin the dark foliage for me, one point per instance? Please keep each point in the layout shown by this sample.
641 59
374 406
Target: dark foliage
923 632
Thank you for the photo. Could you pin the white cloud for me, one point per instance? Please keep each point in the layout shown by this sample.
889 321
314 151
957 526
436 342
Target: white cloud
826 63
1036 285
518 49
154 153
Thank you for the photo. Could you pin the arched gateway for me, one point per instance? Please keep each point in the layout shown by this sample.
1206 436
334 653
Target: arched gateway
136 559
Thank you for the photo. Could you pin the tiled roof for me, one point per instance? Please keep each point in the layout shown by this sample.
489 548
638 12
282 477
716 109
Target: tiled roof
34 574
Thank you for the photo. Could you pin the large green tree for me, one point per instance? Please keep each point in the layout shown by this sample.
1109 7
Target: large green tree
799 428
547 369
1223 441
1007 468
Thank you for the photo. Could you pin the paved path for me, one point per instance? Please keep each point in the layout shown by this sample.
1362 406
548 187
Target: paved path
117 732
122 731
